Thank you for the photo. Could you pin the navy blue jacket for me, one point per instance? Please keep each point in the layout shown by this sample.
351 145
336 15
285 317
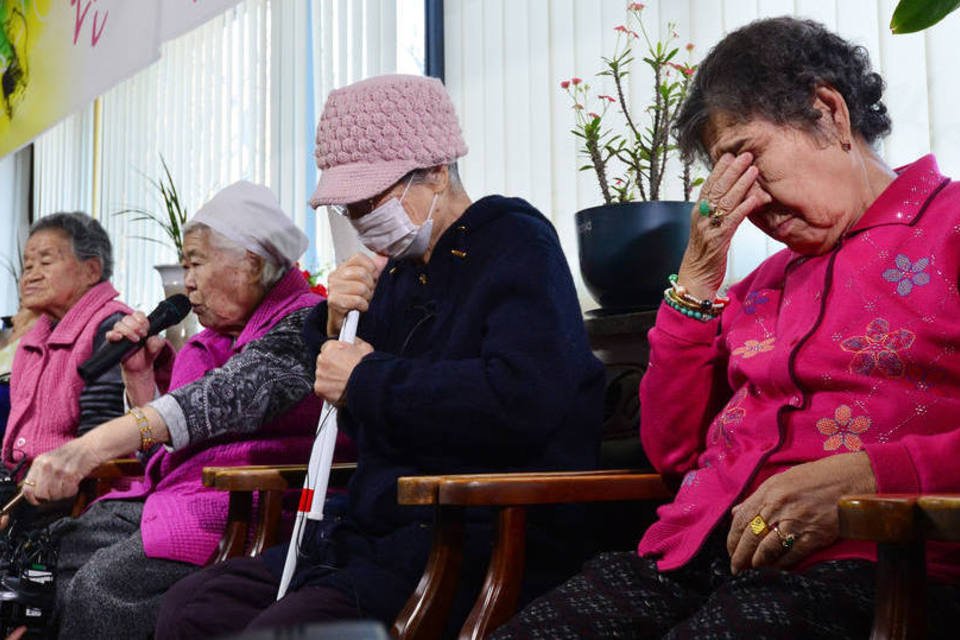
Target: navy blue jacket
481 364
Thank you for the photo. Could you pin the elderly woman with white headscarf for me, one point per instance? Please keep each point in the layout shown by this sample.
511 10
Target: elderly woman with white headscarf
240 394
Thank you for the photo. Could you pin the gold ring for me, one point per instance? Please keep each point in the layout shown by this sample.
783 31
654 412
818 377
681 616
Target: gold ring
30 483
759 526
786 541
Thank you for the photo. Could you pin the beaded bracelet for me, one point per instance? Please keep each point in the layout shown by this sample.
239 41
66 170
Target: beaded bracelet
703 316
680 296
143 424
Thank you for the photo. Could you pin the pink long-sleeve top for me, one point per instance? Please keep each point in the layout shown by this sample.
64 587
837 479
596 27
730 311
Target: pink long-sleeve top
856 349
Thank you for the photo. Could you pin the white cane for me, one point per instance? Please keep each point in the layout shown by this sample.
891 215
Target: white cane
318 470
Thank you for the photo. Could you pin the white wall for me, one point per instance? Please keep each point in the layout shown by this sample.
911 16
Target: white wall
14 219
506 58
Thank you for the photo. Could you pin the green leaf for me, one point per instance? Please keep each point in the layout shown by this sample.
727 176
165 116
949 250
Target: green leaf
911 16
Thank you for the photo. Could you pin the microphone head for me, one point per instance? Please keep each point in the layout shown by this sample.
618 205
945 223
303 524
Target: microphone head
169 312
179 304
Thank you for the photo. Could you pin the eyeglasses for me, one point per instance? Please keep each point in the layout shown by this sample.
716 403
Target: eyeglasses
363 207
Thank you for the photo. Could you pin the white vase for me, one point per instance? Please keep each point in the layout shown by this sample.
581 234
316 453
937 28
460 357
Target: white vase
172 277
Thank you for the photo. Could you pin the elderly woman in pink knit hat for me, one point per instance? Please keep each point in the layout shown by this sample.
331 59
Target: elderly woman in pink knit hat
470 356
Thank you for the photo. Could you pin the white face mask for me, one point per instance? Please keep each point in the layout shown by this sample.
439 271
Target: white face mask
388 230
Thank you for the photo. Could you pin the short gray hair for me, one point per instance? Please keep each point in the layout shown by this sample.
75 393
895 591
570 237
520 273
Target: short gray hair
271 272
419 176
87 237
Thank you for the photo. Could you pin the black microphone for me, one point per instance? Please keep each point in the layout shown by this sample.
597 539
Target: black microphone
168 313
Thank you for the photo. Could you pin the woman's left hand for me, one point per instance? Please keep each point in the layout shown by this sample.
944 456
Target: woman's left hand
801 502
334 365
56 475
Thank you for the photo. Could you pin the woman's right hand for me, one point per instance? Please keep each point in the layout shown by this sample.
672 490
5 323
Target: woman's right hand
137 368
350 286
134 327
732 190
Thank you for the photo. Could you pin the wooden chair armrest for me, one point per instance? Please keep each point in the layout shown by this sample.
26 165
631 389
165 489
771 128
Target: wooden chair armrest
900 525
269 482
254 477
538 487
554 488
269 477
883 518
118 468
101 480
941 516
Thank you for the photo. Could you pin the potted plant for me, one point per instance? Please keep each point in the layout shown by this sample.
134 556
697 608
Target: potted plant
630 244
171 221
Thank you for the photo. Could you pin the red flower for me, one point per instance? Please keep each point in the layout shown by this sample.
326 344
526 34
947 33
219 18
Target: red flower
607 98
311 280
593 115
575 81
621 29
564 84
689 46
636 6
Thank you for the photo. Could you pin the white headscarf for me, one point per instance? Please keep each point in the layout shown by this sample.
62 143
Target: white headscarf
250 215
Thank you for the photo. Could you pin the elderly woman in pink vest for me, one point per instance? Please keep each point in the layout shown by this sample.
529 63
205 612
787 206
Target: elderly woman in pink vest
831 369
67 264
240 393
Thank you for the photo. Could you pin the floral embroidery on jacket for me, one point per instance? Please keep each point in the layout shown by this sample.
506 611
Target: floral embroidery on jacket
876 352
751 348
731 416
753 300
843 429
907 274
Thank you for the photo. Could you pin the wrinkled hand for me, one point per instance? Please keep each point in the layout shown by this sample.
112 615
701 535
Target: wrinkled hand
732 190
57 474
334 366
134 327
350 286
802 502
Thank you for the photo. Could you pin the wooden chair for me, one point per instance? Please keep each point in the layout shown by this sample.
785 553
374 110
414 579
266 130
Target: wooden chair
427 610
261 516
103 479
900 525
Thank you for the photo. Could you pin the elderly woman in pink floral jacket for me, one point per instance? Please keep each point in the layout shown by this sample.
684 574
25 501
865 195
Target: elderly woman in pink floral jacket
832 369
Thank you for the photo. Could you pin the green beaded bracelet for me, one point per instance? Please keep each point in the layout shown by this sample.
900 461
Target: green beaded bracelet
690 313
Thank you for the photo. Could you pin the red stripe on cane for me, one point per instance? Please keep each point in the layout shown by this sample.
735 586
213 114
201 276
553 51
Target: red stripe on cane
306 500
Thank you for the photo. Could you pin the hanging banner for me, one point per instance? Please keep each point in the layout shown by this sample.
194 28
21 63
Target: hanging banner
179 16
58 55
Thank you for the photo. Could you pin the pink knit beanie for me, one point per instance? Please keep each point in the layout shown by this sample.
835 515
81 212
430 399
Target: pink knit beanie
375 131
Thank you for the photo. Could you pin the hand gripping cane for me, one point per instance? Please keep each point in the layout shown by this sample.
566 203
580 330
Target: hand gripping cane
318 470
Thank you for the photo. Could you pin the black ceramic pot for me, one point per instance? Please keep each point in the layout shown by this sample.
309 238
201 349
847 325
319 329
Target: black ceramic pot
628 250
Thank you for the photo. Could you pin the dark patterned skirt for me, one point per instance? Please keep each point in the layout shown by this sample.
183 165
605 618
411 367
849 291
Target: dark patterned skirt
620 595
